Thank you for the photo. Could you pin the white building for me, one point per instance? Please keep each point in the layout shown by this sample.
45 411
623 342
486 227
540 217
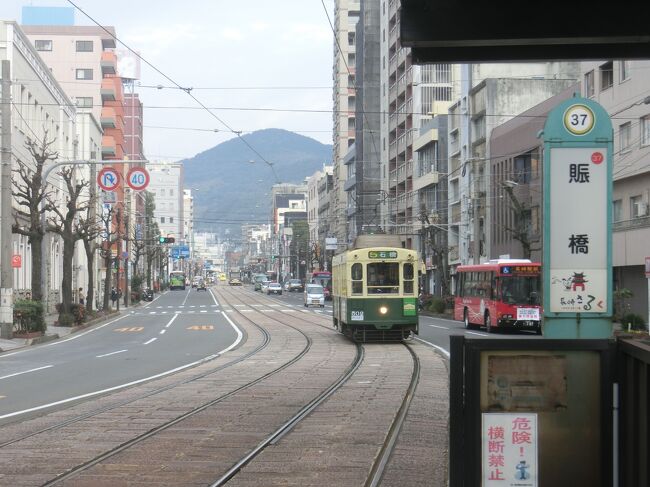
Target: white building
39 104
188 218
166 184
313 201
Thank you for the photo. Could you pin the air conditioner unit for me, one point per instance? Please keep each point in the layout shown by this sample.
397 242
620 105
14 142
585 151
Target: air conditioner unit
641 208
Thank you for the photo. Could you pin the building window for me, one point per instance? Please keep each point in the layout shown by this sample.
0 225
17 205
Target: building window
43 45
84 46
171 219
84 74
645 130
617 210
625 70
625 136
162 219
85 101
638 208
589 84
171 192
606 75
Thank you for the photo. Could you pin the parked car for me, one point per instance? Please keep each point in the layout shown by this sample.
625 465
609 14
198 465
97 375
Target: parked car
147 294
295 285
265 286
274 288
314 295
201 286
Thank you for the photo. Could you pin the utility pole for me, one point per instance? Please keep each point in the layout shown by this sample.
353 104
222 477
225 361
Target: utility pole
127 292
6 271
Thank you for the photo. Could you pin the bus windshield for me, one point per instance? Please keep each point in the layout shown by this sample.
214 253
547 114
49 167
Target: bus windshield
520 290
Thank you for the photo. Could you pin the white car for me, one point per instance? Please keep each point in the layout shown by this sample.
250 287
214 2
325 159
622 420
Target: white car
265 286
314 295
274 288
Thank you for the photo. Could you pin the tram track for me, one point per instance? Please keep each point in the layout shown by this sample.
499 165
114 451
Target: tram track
73 473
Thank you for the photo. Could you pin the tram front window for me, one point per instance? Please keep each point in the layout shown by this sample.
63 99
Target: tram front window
383 277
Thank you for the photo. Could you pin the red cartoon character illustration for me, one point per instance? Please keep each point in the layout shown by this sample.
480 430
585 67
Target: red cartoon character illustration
578 281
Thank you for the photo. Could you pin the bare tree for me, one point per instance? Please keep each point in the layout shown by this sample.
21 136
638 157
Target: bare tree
111 221
521 229
90 229
436 240
30 192
65 223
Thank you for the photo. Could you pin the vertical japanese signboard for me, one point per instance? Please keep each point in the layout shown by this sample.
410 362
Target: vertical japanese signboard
577 221
509 452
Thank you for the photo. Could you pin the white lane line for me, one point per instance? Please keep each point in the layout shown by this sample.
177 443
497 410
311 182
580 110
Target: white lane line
108 354
289 310
441 327
202 306
441 319
26 372
158 307
181 306
162 332
150 341
230 310
171 321
239 305
444 351
58 342
214 297
245 310
479 334
204 311
188 295
275 305
266 310
152 312
132 383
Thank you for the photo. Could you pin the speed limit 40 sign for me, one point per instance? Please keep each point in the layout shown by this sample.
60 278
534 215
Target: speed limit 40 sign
138 178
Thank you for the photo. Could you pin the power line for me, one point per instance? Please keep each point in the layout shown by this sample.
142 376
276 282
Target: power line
187 90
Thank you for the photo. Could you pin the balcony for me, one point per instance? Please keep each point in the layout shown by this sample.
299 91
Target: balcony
108 90
108 146
108 118
108 62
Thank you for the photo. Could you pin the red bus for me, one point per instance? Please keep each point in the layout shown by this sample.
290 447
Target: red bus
324 278
504 293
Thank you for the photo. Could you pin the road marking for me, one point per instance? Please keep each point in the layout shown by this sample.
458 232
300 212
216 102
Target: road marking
201 327
230 310
275 305
152 312
150 341
438 326
108 354
132 383
239 305
364 382
290 310
158 307
133 328
171 321
444 351
214 297
257 305
181 306
162 332
170 306
26 372
479 334
202 306
188 295
246 310
266 310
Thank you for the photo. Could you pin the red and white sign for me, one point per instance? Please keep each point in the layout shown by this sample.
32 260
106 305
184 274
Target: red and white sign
509 450
138 178
108 179
16 261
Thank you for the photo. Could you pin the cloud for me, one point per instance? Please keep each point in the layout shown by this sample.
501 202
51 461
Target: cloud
232 34
260 26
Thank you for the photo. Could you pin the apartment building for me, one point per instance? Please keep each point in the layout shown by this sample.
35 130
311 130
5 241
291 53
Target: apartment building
409 94
490 95
317 214
346 17
167 187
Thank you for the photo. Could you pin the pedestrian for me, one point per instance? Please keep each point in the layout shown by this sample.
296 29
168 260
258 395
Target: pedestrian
114 295
81 295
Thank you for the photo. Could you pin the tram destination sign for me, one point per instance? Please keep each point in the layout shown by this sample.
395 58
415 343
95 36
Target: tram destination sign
382 254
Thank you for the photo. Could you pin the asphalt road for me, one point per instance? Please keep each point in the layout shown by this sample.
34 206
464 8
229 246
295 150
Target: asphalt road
433 330
176 330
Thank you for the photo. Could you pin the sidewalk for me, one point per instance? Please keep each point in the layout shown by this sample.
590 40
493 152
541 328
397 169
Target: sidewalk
54 332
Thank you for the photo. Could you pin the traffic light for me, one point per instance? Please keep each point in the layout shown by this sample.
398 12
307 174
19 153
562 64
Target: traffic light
163 240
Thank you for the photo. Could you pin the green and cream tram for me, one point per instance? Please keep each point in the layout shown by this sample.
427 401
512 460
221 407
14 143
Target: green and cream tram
375 293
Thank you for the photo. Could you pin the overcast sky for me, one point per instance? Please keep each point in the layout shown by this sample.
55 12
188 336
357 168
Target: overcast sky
220 44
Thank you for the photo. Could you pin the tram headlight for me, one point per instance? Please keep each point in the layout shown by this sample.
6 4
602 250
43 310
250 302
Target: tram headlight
383 310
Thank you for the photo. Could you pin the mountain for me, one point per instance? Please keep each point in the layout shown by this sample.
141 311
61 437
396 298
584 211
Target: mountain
231 183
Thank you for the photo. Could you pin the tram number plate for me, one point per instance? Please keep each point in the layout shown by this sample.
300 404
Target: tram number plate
356 315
